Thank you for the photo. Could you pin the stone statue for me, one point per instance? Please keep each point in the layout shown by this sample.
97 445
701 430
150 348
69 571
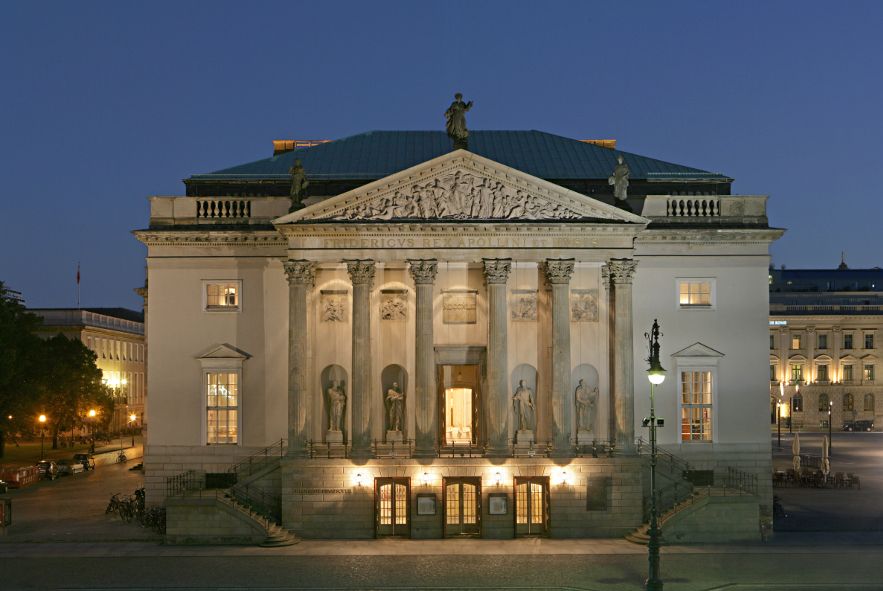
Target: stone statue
299 184
395 407
456 122
524 407
336 403
585 406
620 179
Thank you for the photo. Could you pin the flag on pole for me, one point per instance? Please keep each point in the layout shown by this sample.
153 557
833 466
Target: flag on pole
78 273
78 284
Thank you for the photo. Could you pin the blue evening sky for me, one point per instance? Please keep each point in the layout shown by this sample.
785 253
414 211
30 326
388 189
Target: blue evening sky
105 103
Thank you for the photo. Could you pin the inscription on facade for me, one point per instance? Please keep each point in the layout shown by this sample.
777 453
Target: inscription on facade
584 305
322 491
333 305
452 242
524 305
459 306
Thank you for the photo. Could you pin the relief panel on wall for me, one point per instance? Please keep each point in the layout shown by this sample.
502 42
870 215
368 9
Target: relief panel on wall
333 304
584 305
459 306
393 304
523 305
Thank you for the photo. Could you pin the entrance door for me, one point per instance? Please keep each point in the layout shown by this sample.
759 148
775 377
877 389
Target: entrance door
462 502
392 507
459 404
532 506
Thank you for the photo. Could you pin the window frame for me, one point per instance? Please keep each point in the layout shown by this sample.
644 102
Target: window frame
205 283
823 367
822 345
712 295
869 336
869 372
712 405
206 408
798 338
848 335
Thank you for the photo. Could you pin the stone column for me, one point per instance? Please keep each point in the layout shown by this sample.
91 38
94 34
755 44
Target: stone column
362 276
496 407
608 320
558 273
423 273
622 271
300 279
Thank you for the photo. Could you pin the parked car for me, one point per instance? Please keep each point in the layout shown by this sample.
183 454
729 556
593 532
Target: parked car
68 467
858 425
48 469
85 460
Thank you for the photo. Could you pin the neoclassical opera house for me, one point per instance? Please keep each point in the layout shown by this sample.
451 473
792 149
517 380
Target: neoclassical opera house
384 335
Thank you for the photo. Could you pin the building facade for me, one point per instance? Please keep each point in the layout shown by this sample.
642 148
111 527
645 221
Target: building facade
116 336
451 342
825 326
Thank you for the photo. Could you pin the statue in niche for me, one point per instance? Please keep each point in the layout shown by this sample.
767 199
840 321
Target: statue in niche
395 408
455 118
524 407
299 184
620 179
336 401
585 406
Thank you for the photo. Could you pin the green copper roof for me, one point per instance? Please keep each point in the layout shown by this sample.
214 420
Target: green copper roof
377 154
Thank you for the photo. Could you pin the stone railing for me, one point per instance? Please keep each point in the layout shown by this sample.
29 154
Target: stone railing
176 211
706 209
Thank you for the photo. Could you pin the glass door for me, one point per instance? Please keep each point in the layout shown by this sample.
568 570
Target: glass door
531 506
391 507
458 416
462 503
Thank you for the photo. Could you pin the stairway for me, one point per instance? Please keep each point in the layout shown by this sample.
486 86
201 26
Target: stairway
276 534
641 534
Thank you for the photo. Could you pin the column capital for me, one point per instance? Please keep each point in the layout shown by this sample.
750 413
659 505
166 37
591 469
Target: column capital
361 271
423 271
605 277
622 270
559 270
300 271
497 270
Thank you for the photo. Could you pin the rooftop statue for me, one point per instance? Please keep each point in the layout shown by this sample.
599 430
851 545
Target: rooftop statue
456 122
299 184
620 179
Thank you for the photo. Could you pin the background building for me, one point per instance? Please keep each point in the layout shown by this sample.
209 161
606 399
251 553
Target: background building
451 342
825 328
116 336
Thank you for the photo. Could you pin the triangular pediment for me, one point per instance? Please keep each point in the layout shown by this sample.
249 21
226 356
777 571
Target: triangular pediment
697 349
224 351
460 186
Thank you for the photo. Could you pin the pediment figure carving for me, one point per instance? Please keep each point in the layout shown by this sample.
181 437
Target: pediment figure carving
460 186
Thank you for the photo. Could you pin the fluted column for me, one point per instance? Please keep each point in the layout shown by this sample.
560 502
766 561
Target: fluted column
423 273
622 271
300 275
362 275
608 320
558 274
496 407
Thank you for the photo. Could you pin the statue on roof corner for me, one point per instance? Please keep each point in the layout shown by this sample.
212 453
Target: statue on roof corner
620 179
299 184
456 122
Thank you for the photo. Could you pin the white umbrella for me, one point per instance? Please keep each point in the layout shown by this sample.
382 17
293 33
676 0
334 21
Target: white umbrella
826 462
795 450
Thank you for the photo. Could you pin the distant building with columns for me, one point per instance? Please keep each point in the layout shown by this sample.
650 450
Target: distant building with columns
434 342
825 331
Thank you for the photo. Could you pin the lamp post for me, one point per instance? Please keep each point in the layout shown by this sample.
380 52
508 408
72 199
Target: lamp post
656 375
42 420
830 416
132 419
92 414
779 422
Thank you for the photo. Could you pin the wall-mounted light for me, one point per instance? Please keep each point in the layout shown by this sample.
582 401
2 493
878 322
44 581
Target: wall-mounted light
498 478
358 479
426 479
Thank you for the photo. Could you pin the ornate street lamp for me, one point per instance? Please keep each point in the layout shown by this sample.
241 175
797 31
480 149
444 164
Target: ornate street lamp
656 375
830 417
132 419
42 420
92 414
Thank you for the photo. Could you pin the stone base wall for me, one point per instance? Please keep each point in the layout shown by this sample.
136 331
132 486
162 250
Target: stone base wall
336 498
205 520
715 520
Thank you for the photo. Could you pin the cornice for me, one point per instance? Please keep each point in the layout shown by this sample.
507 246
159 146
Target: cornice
709 236
260 238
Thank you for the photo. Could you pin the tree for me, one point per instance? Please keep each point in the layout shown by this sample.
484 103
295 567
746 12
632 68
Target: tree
71 384
20 357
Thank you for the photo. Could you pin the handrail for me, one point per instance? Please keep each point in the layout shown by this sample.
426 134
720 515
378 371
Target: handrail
258 460
262 502
188 481
669 457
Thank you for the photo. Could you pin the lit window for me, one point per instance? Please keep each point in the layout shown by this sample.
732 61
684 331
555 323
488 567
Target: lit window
869 340
796 372
223 296
847 373
222 407
796 341
822 373
695 293
869 373
847 341
696 408
823 341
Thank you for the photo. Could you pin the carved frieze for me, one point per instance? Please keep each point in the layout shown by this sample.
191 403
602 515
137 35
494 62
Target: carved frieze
622 270
584 305
423 270
300 271
497 270
523 306
459 306
457 195
559 270
333 305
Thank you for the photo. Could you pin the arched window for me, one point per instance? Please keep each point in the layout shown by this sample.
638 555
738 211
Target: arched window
848 402
869 402
823 403
797 403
